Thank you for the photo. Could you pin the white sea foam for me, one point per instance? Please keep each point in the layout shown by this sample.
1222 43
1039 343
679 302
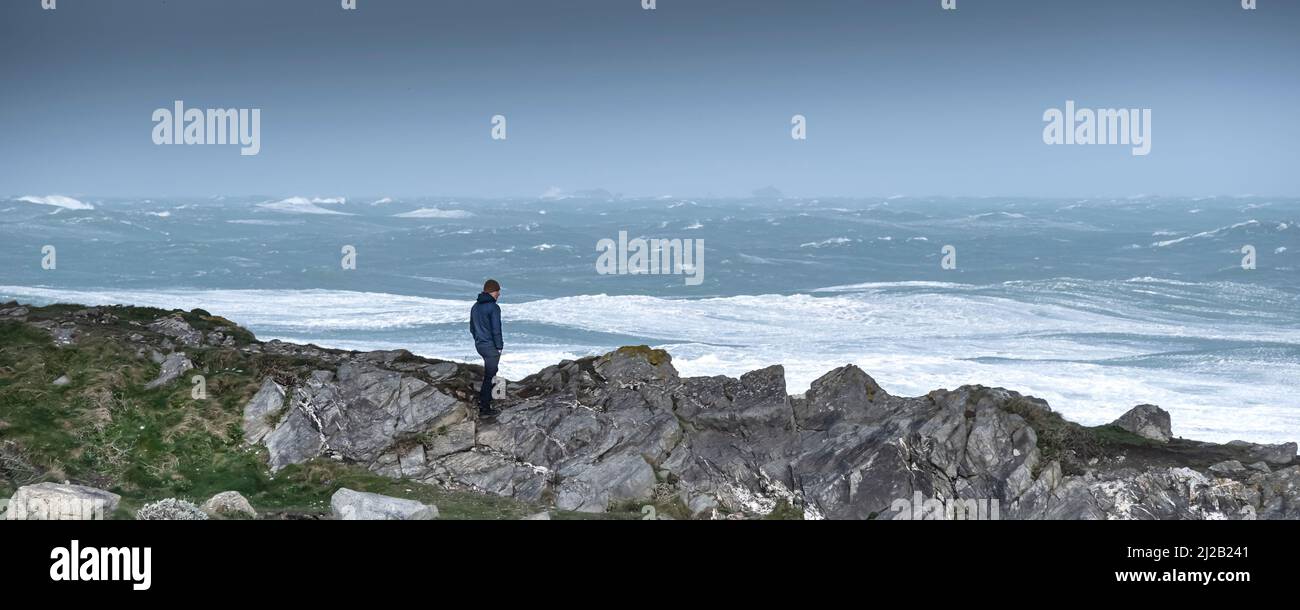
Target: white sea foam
58 201
264 223
834 241
1210 233
1090 357
303 205
434 213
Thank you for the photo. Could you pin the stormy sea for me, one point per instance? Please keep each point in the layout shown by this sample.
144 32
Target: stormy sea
1095 305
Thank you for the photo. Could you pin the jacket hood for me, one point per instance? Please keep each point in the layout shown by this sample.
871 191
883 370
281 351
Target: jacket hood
484 297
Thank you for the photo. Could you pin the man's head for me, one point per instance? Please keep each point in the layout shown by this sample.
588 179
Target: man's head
493 288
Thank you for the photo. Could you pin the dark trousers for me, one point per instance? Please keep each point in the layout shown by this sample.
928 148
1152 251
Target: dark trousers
491 357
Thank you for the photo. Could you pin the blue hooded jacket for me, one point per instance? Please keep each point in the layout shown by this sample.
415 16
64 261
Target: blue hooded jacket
485 321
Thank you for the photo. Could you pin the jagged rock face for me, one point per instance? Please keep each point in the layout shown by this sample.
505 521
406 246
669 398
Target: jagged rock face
356 414
624 429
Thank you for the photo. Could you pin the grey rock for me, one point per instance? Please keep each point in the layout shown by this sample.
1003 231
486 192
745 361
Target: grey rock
358 414
542 516
411 462
219 339
846 393
1279 454
176 327
172 367
455 438
1280 494
1228 467
441 370
1147 421
64 335
13 310
295 440
624 429
61 502
62 381
1260 467
262 413
350 505
229 504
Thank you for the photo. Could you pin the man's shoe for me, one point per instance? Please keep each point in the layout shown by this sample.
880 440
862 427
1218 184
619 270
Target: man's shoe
487 413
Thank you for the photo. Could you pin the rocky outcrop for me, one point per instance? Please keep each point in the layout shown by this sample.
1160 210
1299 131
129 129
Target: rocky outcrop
358 413
177 328
13 310
61 502
624 429
350 505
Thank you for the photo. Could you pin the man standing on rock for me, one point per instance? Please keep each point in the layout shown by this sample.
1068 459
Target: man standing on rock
485 326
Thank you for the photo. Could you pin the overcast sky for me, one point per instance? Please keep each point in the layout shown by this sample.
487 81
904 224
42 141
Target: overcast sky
691 99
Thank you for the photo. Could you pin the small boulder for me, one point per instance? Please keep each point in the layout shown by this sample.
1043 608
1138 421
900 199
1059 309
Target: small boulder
1227 467
349 505
62 381
635 364
61 502
1147 421
172 367
229 504
64 336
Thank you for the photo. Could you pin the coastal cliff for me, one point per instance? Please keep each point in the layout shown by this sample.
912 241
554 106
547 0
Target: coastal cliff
109 397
